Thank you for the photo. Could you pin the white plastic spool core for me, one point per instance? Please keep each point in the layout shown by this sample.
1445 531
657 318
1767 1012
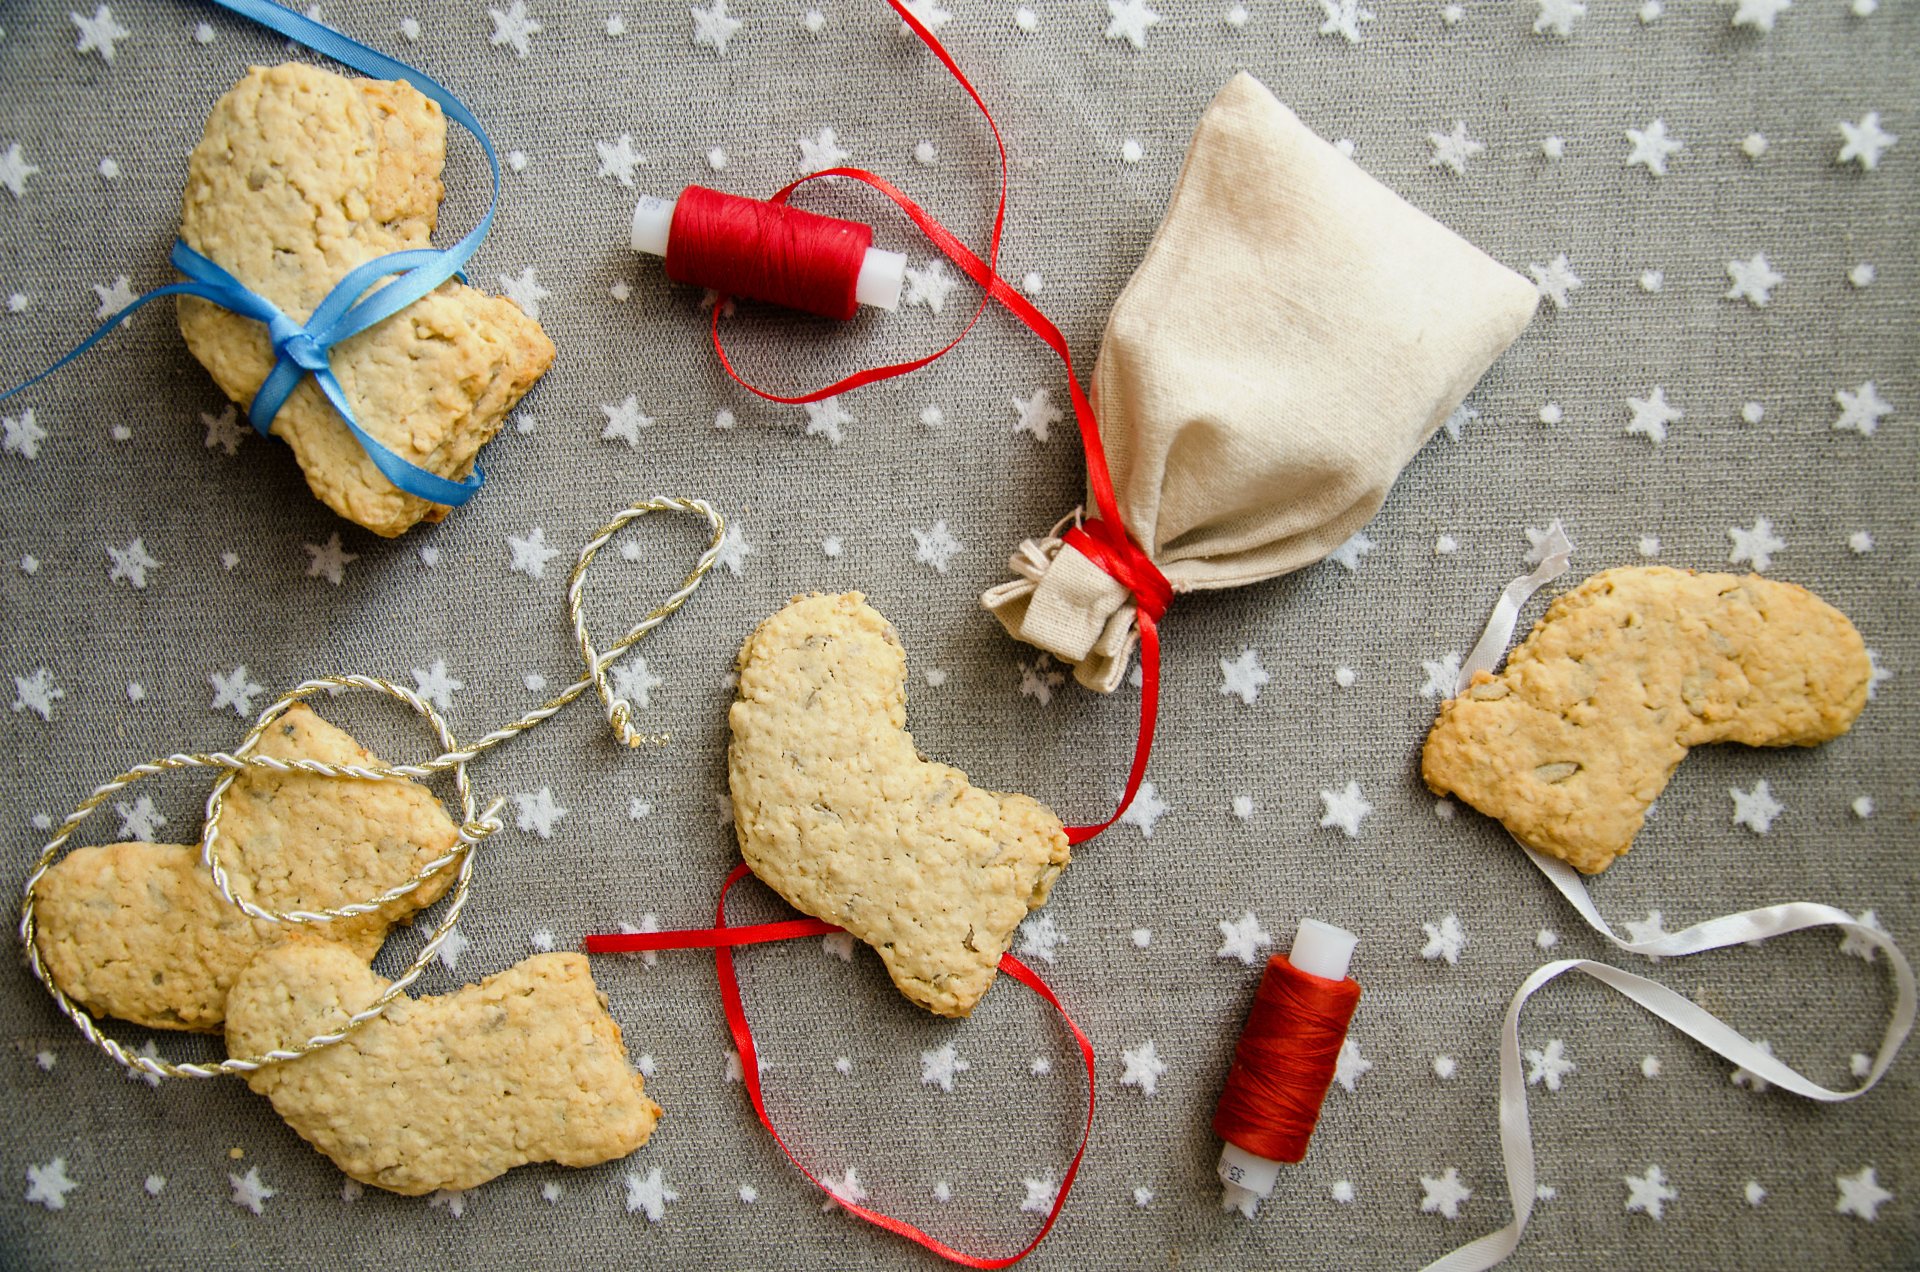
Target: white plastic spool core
882 274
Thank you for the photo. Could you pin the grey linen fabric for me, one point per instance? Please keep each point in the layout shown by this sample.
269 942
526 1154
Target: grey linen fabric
123 457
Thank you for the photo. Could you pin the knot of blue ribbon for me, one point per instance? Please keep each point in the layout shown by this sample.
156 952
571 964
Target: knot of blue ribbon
356 302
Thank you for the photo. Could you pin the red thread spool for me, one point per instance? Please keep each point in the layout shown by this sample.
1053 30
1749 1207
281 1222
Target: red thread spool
773 252
1284 1062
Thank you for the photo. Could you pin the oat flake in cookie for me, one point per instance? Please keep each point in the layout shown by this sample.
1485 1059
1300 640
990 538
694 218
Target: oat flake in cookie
301 176
838 813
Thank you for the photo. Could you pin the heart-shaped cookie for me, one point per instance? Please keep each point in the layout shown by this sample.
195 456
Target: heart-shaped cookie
1572 742
448 1092
139 930
839 814
300 176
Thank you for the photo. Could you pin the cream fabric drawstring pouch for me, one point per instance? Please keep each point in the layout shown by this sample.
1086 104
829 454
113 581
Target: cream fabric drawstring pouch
1294 334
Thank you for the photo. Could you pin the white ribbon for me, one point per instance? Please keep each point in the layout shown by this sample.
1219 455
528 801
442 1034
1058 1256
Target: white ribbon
1746 927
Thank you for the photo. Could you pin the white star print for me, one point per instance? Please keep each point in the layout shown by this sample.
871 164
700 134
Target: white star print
1875 674
1146 810
154 1185
1759 14
649 1194
49 1185
14 171
537 812
1864 141
524 290
114 298
734 549
1556 16
1640 932
1649 1193
935 547
130 565
1143 1067
1444 940
624 422
1859 946
1037 415
223 430
452 1200
826 418
1860 1195
1349 553
1553 281
1039 938
1443 677
931 285
1131 18
618 159
928 14
1343 18
842 1190
1462 416
516 27
328 560
452 946
1549 1066
1652 147
1350 1066
37 693
713 27
817 154
634 682
531 553
250 1191
1756 545
1651 415
1041 1193
1345 809
1861 410
436 685
1443 1195
99 33
1755 809
22 435
139 820
1452 150
1753 280
1242 677
940 1066
1243 939
234 690
1039 678
1744 1077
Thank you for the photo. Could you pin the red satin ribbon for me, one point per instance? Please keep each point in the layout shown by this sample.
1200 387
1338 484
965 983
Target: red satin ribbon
723 938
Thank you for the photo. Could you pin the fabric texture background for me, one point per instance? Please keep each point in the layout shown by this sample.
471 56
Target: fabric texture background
125 456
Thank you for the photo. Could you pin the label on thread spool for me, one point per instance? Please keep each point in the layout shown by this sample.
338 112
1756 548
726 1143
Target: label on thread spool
1284 1062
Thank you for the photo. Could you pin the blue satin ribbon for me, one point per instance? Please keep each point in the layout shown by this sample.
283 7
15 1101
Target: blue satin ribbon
301 349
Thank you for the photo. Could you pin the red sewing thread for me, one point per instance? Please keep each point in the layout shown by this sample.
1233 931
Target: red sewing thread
766 251
1284 1062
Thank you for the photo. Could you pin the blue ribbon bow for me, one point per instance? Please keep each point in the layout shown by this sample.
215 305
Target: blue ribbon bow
301 349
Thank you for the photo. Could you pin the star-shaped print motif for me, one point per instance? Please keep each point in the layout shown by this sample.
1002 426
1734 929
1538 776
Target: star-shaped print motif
14 171
935 547
1651 415
1860 1195
250 1191
524 290
1350 1066
1131 18
931 285
1553 281
1143 1067
537 812
114 298
1039 678
1040 938
1041 1193
328 560
1759 14
618 159
139 820
452 946
1345 808
234 690
531 553
826 418
1443 677
1875 674
49 1185
130 565
1744 1077
1640 931
1243 677
624 422
37 693
1649 1194
733 549
1146 810
1243 939
1452 150
1037 413
1556 17
452 1200
1865 141
514 27
940 1066
633 681
1462 416
22 436
817 154
1756 545
1445 939
928 14
1753 280
842 1190
1349 553
223 430
649 1194
1343 18
1755 809
436 685
1445 1195
99 33
1861 410
1652 147
1550 1065
714 27
1859 946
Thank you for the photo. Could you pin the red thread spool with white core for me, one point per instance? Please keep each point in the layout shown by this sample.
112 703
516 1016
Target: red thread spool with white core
1284 1062
768 251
